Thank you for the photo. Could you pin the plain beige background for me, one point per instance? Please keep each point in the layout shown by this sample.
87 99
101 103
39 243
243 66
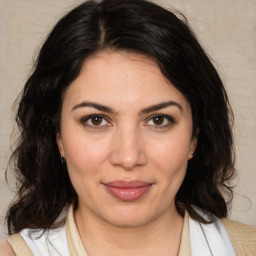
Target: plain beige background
226 29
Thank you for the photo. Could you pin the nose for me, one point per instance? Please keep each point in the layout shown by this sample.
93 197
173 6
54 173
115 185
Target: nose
128 149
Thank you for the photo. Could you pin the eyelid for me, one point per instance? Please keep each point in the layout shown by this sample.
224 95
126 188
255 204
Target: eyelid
86 118
170 119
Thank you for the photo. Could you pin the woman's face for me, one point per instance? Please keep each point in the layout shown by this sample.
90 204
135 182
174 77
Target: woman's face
126 135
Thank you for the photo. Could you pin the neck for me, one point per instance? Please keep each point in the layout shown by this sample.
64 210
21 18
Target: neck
159 237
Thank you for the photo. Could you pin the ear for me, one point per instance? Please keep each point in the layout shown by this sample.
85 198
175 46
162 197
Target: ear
193 145
60 144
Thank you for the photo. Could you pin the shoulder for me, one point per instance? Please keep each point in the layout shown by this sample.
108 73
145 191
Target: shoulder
243 237
6 249
238 229
46 242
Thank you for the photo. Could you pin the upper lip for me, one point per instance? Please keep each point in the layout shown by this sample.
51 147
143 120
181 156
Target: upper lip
127 184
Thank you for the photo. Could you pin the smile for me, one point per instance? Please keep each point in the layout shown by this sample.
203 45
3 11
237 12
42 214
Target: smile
128 191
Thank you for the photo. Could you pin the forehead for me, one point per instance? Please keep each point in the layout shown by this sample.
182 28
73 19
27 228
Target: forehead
119 78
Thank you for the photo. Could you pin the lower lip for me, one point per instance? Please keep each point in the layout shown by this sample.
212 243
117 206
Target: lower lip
128 194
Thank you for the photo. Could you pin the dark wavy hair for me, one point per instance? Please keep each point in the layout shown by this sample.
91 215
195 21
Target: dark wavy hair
136 26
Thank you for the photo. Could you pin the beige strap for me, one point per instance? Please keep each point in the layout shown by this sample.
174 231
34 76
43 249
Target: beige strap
185 249
242 236
76 247
71 246
19 245
75 244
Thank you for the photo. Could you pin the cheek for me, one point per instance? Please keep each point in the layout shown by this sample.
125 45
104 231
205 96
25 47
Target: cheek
171 153
170 159
84 159
84 154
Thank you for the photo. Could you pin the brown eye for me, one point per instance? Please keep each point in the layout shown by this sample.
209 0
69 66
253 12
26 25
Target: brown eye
96 120
158 120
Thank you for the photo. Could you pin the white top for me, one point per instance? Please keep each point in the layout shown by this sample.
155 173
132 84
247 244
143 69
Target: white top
209 239
205 239
53 242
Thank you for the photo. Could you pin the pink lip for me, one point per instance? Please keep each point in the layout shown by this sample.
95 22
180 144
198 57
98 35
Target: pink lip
128 191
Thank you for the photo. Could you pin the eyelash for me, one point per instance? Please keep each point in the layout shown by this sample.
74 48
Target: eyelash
169 119
85 120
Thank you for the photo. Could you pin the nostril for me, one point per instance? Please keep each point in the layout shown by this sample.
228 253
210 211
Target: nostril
128 159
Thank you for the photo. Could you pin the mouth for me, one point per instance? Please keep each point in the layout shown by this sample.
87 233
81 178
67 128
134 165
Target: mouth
128 191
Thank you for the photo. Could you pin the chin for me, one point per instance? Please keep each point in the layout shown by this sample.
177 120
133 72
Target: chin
129 218
128 222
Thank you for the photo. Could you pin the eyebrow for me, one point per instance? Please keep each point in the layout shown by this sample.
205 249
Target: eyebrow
161 106
143 111
94 105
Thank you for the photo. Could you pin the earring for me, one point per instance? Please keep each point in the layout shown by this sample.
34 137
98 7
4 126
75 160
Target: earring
63 161
192 153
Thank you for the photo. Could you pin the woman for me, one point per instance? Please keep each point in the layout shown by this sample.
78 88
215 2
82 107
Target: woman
126 125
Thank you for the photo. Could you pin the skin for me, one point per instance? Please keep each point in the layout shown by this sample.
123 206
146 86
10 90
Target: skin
130 142
6 249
